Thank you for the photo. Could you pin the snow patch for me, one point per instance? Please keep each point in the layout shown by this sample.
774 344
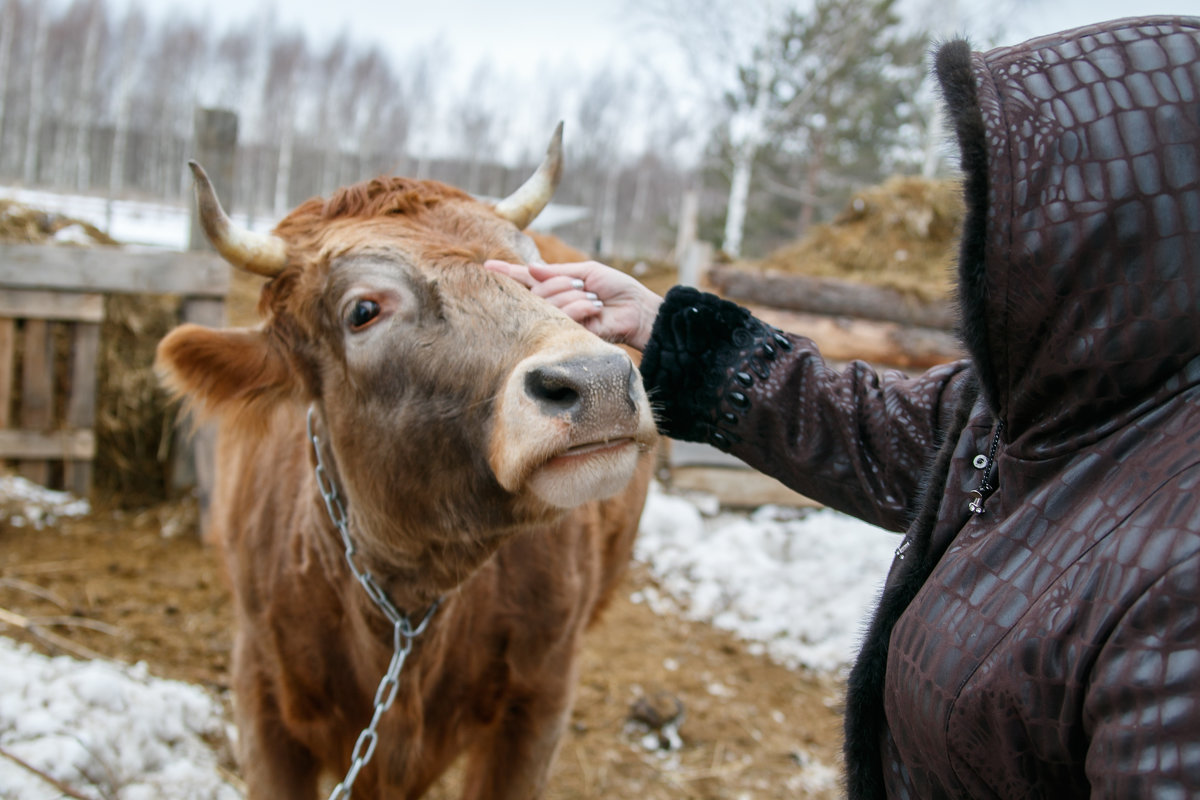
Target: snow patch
801 584
24 502
105 730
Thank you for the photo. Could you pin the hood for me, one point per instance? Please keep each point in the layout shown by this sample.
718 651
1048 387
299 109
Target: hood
1079 269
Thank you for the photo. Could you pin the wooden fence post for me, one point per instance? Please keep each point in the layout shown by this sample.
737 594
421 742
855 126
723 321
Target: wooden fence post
216 148
37 391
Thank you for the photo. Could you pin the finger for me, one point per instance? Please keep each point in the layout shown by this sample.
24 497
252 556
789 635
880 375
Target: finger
558 284
544 272
583 309
514 271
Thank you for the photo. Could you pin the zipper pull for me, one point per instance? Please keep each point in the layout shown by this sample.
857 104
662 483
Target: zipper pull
907 543
988 465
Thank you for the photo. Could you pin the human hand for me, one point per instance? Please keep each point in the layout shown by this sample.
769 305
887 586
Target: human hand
606 301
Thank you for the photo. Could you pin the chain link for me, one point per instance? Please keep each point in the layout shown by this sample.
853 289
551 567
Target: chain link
403 631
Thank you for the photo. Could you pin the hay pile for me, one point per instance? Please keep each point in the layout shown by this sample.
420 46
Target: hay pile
134 419
902 234
134 422
20 223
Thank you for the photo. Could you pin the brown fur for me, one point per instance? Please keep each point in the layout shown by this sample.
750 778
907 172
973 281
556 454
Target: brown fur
406 436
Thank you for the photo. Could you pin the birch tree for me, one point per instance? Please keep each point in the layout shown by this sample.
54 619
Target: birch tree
722 43
8 24
37 68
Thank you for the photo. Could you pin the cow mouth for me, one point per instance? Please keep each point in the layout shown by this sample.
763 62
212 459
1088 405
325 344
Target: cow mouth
591 449
587 471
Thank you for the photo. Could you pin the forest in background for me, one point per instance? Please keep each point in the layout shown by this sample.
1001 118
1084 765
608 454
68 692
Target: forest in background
804 109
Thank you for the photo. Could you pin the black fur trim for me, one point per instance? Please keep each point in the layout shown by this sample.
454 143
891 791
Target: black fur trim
961 95
864 719
693 336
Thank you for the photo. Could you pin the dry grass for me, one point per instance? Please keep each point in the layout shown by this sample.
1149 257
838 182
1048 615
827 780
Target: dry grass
902 234
21 223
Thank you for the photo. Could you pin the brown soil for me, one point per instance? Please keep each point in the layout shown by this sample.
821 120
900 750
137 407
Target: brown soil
751 728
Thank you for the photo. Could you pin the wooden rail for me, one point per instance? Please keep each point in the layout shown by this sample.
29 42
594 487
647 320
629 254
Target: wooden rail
48 292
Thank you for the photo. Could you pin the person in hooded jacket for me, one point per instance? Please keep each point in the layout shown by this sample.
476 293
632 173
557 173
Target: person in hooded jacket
1039 631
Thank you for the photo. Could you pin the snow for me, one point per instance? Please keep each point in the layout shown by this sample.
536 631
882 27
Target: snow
105 730
133 222
24 502
799 585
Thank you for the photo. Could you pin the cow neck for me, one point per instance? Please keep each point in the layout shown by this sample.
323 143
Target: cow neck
336 508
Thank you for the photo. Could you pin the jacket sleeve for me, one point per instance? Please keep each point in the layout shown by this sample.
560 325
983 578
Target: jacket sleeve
1142 708
856 440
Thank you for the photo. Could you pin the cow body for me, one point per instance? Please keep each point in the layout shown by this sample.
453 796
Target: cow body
489 452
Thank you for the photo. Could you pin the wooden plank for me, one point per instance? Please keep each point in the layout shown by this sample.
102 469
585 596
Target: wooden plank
878 343
43 304
102 269
37 391
47 445
830 297
738 488
8 336
81 403
697 454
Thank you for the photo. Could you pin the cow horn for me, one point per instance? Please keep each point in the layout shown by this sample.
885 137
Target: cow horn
522 206
259 253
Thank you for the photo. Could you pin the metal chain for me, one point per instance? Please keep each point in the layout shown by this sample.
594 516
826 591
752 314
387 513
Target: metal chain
403 631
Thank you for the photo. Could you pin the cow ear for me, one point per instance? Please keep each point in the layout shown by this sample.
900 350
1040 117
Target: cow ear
223 371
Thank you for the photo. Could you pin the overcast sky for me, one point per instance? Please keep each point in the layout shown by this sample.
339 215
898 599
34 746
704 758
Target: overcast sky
526 34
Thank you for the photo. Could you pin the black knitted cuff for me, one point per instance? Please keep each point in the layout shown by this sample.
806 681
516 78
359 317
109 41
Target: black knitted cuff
703 355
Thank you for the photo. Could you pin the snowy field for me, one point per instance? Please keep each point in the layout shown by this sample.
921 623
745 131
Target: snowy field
161 225
131 222
797 584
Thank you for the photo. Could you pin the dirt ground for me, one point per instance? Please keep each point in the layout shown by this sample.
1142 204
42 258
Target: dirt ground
113 584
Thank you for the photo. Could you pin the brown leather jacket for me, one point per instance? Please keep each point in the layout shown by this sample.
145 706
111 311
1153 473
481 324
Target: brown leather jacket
1048 645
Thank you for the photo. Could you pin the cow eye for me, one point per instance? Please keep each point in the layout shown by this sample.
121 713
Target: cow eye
363 313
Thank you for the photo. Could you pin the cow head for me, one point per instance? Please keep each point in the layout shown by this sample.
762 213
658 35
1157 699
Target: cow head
456 405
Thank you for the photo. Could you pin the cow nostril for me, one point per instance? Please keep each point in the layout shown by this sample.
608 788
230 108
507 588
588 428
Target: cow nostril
552 388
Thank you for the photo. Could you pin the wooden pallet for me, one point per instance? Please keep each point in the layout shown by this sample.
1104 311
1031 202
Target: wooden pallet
38 434
47 407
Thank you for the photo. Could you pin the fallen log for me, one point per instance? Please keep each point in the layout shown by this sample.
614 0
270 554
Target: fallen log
831 297
878 343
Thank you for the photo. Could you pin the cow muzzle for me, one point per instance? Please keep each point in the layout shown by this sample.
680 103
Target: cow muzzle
571 425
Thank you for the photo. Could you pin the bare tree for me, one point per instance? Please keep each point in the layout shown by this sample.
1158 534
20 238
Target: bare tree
478 122
132 30
90 96
377 131
8 24
92 12
722 44
288 58
37 68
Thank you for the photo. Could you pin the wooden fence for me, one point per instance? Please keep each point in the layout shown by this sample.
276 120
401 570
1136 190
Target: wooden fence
44 288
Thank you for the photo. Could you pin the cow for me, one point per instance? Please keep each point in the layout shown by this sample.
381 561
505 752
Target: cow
404 428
